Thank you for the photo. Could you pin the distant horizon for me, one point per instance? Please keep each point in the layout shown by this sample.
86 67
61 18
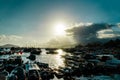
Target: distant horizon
71 46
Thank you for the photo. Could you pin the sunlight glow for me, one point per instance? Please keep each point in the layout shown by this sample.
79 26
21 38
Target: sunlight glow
60 29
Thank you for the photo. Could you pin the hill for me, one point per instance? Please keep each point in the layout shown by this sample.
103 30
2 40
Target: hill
8 46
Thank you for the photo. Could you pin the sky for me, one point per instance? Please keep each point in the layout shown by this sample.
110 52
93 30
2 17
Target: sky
35 20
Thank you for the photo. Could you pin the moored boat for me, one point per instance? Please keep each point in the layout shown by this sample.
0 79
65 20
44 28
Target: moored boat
36 51
33 71
1 64
17 73
4 75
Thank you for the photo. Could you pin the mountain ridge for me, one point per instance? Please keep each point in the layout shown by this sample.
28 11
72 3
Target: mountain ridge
8 46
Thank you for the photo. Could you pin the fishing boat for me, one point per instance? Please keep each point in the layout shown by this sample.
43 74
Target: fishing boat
32 71
102 77
4 75
1 64
63 73
46 73
42 65
52 51
58 73
17 74
36 51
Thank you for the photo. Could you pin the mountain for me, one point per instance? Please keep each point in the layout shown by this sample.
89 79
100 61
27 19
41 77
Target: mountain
8 46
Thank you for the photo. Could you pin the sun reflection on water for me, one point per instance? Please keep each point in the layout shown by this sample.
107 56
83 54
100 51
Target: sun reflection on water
59 59
54 60
60 52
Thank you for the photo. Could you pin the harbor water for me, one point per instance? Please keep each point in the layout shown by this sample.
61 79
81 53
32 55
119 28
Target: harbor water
56 60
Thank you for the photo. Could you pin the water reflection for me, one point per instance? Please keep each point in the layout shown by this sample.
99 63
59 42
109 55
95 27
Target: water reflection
60 52
54 60
59 59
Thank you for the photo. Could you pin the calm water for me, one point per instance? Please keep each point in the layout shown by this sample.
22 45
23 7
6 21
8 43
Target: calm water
54 60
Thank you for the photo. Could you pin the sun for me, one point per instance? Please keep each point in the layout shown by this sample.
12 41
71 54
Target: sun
60 29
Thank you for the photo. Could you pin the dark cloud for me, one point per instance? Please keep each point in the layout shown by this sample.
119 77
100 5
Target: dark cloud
92 33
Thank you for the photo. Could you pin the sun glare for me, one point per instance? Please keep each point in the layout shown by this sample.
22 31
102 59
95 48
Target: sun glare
60 29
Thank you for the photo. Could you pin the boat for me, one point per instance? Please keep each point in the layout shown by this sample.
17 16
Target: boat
63 73
31 66
32 71
32 57
1 64
58 73
105 57
4 75
51 51
42 65
112 63
17 74
46 72
36 51
83 78
102 77
33 75
13 61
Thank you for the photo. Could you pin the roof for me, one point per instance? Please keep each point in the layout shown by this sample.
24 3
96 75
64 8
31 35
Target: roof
32 66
